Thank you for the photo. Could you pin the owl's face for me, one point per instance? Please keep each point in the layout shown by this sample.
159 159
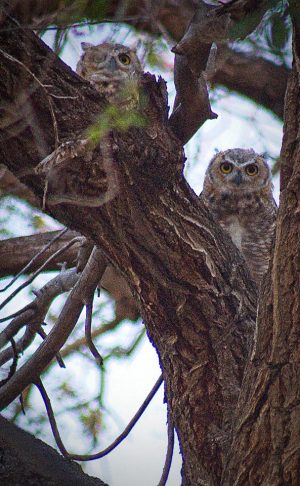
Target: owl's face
238 170
106 62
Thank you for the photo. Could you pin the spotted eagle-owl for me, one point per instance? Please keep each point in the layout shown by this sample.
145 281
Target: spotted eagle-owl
113 69
238 191
71 175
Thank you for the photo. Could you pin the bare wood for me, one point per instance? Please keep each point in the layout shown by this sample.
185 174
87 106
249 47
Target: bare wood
33 315
58 335
157 232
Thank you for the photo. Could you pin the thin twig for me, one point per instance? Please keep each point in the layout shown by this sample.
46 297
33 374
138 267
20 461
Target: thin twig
38 28
22 404
36 273
118 351
125 432
34 313
36 256
88 333
51 417
14 364
169 455
59 359
13 327
114 444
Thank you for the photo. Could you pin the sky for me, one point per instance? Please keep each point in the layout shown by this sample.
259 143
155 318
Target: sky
140 458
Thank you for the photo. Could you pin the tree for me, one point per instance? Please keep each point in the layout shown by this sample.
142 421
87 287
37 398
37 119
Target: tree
235 411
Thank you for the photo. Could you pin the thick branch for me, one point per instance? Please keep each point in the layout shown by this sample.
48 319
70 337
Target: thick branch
10 185
15 253
27 460
67 320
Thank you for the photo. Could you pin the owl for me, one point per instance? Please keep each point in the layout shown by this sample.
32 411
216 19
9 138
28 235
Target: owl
114 70
238 192
71 175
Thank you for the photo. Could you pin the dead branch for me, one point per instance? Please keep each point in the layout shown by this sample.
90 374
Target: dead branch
126 431
210 24
33 315
51 417
114 444
58 357
13 366
15 254
88 333
69 315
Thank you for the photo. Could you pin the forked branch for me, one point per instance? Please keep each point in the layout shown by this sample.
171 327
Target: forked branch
67 320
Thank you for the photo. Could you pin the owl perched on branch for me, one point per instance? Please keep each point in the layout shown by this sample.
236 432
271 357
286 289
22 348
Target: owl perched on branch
114 70
73 174
238 191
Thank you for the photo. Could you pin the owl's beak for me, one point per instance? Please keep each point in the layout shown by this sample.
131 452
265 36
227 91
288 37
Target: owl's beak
112 64
238 178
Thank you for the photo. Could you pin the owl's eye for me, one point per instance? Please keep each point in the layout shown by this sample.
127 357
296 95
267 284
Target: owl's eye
226 167
124 59
251 169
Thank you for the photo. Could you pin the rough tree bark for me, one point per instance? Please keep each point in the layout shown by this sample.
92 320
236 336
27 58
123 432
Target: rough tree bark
28 461
235 70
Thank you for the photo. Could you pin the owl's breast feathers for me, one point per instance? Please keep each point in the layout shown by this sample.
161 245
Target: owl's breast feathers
249 218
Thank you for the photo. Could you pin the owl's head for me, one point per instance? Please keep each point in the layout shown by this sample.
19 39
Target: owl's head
106 62
239 170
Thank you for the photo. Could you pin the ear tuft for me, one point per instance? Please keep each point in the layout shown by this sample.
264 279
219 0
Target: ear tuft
86 45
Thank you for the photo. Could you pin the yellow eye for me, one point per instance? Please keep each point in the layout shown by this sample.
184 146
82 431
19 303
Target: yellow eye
251 169
226 167
124 59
